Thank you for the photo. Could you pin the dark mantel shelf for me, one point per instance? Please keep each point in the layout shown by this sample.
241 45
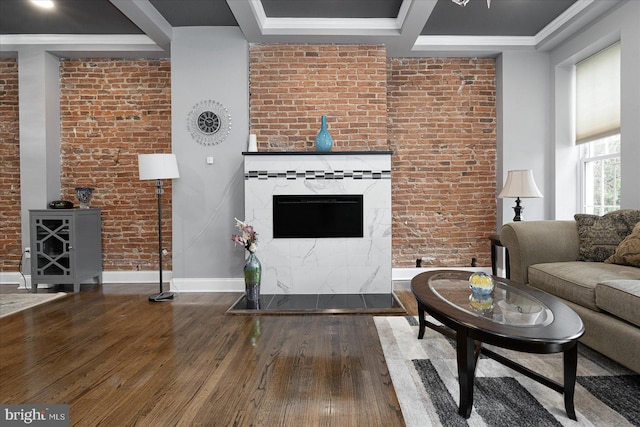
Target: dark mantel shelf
307 153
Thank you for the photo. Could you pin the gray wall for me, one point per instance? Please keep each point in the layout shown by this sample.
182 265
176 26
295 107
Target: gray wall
208 63
39 115
535 130
522 103
621 24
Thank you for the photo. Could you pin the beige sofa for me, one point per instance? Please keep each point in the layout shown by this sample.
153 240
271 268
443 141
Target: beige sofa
606 296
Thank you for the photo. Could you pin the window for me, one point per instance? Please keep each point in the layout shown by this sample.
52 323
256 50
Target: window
598 130
600 175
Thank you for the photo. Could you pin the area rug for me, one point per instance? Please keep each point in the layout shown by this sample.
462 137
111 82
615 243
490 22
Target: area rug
13 303
424 375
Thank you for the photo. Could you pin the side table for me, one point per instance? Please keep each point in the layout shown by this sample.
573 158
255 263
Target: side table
495 242
66 246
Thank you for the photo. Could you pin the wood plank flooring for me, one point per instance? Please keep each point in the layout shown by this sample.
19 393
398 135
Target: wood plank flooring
119 360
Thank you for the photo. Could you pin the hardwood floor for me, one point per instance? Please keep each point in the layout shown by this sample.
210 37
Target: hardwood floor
120 360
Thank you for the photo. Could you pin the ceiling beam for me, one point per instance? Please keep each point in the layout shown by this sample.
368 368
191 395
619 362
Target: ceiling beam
84 46
576 17
417 13
148 19
399 33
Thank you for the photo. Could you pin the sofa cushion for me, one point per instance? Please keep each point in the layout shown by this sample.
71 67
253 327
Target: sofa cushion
620 298
576 281
628 251
601 235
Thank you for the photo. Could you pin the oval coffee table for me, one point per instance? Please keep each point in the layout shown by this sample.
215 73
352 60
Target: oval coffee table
514 316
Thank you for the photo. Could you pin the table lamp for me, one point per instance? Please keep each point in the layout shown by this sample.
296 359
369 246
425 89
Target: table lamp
520 183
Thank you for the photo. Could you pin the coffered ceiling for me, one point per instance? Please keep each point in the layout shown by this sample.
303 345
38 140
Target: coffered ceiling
407 27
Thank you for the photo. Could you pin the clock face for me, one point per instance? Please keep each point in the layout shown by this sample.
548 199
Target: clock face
209 122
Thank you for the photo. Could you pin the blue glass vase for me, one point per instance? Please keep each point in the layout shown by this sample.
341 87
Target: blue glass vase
324 142
252 275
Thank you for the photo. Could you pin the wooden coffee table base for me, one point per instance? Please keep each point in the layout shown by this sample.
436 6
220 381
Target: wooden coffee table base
468 349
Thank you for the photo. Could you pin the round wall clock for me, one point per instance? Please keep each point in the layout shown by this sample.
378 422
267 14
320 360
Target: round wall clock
209 122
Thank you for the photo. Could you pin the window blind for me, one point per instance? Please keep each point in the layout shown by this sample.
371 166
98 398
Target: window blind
598 95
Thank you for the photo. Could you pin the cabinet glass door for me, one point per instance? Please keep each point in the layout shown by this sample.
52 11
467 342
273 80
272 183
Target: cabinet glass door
52 247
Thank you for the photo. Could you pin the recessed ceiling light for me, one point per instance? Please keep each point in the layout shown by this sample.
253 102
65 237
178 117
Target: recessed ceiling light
45 4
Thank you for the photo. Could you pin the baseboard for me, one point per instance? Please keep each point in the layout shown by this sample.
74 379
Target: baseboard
400 277
402 274
15 278
152 277
207 285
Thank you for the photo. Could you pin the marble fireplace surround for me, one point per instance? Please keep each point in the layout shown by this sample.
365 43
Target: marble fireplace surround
322 265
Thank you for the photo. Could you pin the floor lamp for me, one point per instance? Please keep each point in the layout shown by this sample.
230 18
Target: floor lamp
158 167
520 183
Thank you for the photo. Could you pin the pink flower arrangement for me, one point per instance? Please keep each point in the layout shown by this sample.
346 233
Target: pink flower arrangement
247 237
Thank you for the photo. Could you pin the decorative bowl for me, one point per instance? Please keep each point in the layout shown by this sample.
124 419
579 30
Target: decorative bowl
481 284
61 204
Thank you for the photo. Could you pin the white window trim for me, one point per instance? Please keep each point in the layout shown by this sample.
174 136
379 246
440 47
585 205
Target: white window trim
582 173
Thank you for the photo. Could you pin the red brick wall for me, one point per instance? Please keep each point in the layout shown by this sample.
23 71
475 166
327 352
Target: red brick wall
444 142
293 85
10 222
111 111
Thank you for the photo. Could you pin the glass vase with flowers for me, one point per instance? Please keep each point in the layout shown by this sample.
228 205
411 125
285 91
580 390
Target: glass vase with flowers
252 268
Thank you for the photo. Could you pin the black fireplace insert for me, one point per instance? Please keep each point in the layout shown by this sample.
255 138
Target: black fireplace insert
317 216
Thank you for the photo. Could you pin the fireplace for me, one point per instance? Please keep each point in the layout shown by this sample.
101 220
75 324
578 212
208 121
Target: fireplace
324 221
317 216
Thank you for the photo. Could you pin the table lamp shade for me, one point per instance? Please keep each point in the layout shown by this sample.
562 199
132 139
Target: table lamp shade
157 166
520 183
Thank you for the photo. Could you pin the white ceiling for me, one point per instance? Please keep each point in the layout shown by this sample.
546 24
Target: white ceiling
143 28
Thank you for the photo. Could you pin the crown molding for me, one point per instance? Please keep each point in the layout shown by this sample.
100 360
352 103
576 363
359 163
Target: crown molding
83 46
401 34
426 41
79 39
331 26
562 20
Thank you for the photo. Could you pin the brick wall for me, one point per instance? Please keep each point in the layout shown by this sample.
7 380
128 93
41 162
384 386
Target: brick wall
442 131
443 137
111 111
10 234
293 85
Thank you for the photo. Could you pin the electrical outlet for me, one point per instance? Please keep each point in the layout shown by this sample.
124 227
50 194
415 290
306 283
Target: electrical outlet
27 253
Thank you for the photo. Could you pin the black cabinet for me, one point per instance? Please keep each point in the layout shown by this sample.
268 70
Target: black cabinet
66 246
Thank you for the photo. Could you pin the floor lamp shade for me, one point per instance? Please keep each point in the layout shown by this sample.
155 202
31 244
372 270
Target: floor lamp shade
158 167
520 183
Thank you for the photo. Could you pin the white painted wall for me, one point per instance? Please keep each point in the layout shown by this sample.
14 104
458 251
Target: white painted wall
208 63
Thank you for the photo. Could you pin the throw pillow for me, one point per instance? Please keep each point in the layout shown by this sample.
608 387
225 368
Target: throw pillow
601 235
628 251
